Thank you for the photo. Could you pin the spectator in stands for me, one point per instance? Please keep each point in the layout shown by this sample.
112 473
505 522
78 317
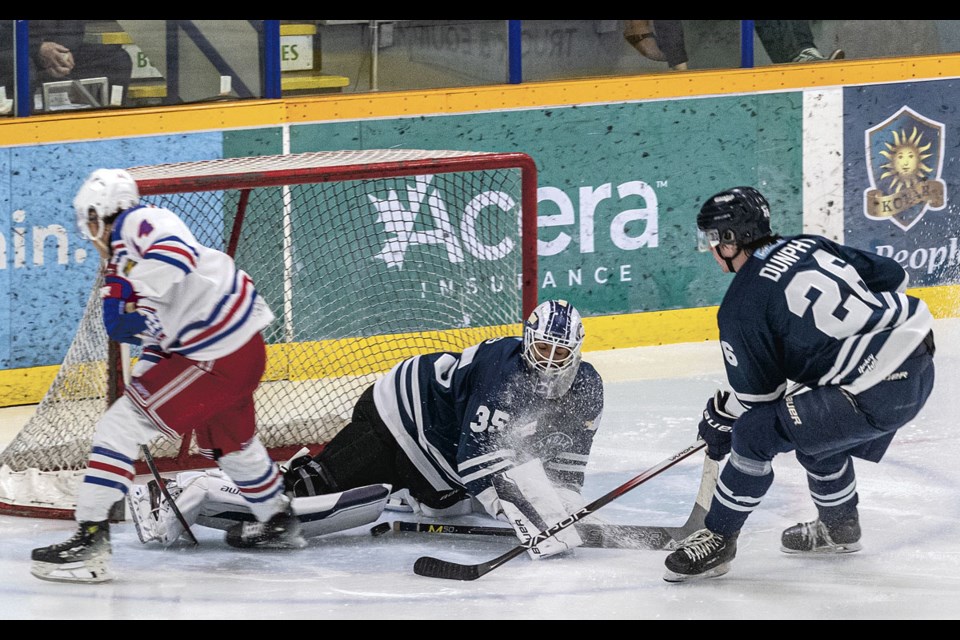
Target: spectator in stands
791 41
60 52
659 40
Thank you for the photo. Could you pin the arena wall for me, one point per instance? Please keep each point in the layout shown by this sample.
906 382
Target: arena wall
623 165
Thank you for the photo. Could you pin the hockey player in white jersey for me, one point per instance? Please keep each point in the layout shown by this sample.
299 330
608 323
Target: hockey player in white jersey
199 320
834 321
504 428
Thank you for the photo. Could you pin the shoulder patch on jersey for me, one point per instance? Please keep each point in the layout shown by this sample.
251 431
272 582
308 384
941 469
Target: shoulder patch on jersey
145 228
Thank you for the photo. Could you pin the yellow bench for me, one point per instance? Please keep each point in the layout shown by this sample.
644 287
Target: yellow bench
311 81
146 90
106 33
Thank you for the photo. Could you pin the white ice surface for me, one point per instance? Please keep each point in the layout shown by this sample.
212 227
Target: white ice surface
909 567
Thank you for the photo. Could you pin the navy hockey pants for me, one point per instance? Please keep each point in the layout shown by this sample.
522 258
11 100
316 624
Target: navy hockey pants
827 427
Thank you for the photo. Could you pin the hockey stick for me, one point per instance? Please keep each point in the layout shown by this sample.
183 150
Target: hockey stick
436 568
596 536
600 536
443 527
166 494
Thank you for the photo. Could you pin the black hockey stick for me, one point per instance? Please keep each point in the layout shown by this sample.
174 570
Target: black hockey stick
436 568
166 494
599 535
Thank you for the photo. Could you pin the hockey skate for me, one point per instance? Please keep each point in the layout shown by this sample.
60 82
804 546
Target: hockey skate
816 537
282 531
83 558
702 554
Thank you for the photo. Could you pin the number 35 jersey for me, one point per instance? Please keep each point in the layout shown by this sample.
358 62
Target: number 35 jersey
808 310
461 418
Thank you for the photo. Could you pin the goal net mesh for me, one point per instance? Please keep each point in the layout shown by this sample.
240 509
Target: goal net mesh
365 257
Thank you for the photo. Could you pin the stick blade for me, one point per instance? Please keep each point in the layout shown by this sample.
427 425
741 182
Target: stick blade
436 568
613 536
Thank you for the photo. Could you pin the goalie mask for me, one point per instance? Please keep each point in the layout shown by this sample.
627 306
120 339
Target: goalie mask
552 337
107 192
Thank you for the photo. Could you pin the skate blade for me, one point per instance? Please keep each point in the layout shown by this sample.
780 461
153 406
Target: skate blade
824 551
72 572
275 545
716 572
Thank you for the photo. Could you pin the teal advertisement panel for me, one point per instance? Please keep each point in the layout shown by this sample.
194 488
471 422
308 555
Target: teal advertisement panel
619 188
901 177
619 185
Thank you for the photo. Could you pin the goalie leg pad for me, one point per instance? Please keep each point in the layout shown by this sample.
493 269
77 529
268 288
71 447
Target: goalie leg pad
154 519
531 504
401 500
324 514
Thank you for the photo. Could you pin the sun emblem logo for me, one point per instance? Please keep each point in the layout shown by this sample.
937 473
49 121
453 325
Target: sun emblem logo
906 152
906 157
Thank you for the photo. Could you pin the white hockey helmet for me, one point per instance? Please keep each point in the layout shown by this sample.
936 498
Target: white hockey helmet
552 337
107 192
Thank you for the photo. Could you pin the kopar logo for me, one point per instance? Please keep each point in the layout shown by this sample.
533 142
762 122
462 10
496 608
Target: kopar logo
905 157
422 218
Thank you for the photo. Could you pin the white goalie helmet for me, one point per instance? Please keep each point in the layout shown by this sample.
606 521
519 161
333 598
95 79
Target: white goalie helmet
107 192
552 338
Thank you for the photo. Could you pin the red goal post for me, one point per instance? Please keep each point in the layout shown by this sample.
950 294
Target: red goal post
366 258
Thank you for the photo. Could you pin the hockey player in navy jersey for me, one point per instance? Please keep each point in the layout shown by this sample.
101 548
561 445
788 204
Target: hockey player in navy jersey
199 320
826 355
507 424
505 428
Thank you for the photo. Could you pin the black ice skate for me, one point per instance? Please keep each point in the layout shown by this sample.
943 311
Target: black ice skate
83 558
702 554
816 537
282 531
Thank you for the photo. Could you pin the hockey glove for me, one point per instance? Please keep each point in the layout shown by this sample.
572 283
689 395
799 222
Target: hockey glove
716 426
120 325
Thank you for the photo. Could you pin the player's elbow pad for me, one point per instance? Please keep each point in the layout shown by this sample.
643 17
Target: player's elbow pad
120 326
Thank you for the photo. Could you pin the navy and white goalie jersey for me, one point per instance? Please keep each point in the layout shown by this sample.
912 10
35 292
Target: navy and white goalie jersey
464 417
811 311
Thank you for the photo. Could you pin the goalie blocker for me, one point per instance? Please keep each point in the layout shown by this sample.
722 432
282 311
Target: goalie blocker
210 499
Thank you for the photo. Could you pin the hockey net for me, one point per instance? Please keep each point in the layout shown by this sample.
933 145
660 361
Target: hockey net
365 257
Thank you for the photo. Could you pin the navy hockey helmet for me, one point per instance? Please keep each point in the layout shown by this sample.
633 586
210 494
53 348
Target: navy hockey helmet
738 216
552 337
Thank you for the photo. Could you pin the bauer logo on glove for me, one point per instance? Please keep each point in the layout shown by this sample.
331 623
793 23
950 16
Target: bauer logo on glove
716 427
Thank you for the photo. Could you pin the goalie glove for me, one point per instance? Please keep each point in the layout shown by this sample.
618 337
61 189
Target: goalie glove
306 477
531 504
716 426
